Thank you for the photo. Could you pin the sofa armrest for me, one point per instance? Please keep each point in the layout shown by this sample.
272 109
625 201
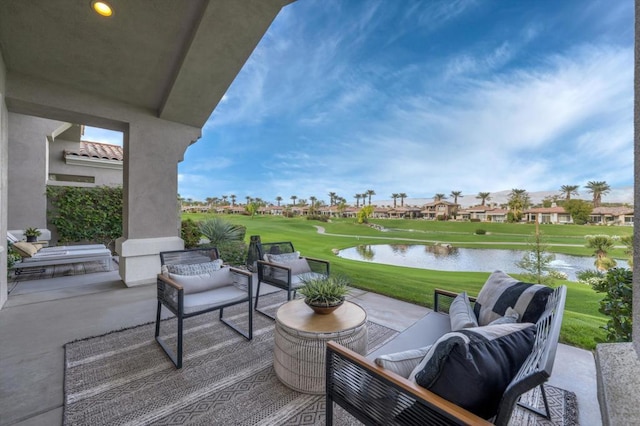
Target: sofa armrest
375 395
442 300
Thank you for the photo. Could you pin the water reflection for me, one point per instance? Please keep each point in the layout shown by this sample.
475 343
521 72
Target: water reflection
444 257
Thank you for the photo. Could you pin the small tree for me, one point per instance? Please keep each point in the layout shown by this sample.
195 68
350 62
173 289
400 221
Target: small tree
190 233
364 213
536 261
579 210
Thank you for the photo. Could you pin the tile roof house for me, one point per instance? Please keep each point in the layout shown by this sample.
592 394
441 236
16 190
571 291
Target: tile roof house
612 215
75 162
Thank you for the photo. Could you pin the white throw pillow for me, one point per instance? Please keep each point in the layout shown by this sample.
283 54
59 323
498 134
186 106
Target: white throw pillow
402 363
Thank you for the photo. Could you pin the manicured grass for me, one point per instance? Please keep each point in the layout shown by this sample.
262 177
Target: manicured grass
581 324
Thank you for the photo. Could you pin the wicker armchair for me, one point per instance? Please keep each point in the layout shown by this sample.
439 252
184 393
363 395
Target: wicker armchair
287 276
376 396
199 285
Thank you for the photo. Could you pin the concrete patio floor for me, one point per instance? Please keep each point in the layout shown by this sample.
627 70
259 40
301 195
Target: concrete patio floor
42 315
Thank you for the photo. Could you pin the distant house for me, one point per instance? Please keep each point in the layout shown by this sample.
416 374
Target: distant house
405 212
556 215
612 215
439 209
75 162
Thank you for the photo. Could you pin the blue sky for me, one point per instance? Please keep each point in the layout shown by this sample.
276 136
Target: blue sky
424 97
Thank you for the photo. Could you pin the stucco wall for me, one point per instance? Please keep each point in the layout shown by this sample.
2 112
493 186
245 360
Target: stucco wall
27 156
3 183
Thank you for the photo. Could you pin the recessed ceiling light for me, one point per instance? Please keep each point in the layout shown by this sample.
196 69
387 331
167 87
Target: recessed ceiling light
102 8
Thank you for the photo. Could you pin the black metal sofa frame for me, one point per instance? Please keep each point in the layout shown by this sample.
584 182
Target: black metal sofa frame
171 296
387 393
266 269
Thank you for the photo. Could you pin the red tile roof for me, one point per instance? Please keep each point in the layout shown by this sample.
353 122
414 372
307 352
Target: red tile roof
97 150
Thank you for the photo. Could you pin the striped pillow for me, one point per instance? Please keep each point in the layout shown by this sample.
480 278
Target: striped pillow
502 291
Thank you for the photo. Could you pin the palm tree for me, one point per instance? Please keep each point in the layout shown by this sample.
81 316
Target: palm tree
370 192
313 204
484 196
278 199
357 197
455 195
233 199
402 196
519 201
598 189
568 191
248 198
224 198
602 244
395 199
439 197
294 198
332 198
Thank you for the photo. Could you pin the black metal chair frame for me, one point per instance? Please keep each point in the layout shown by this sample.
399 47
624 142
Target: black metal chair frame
316 265
171 295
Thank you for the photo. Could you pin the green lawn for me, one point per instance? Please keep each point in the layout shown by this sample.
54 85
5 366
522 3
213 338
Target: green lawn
582 322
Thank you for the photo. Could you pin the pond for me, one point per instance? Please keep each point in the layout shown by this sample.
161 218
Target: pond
447 258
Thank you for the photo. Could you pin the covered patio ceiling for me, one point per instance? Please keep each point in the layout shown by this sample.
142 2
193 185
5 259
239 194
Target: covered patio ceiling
173 58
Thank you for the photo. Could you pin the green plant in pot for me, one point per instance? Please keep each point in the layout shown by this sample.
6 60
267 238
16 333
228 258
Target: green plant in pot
32 234
324 294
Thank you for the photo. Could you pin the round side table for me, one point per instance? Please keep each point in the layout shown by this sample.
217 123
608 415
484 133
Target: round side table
301 338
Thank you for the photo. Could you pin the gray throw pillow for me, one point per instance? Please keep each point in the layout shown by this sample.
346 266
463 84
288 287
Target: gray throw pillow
509 317
195 268
461 313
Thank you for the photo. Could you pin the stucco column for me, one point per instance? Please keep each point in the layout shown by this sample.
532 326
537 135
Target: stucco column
152 150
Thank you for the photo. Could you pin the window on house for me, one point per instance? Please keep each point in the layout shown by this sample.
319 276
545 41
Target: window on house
71 178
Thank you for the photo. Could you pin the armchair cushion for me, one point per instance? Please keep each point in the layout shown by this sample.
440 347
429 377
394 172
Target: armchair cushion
473 367
203 282
461 313
501 291
195 268
224 295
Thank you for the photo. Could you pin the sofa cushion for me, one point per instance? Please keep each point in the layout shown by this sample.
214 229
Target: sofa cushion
461 313
204 282
473 367
502 291
25 249
402 363
195 268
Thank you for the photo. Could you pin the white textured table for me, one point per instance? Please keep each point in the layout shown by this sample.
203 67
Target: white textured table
301 338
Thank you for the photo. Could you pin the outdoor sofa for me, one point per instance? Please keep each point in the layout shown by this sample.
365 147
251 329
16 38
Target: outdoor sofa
429 374
35 256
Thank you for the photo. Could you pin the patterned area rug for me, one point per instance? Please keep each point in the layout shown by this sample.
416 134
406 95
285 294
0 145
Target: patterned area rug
124 378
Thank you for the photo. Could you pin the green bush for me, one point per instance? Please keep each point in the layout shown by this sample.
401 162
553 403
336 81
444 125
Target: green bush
616 304
475 219
190 233
86 214
219 231
319 217
232 252
480 231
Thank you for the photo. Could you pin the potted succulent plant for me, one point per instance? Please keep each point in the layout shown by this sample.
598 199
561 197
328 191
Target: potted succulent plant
32 234
324 294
